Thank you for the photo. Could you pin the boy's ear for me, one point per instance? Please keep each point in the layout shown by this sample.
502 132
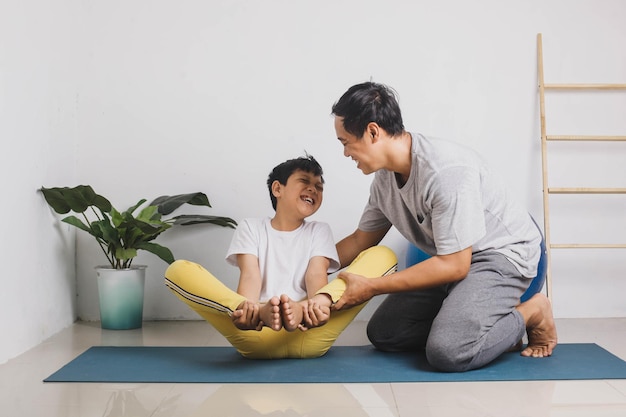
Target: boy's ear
276 188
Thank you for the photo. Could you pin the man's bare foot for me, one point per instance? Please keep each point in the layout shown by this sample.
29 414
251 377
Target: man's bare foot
291 312
246 317
516 347
540 327
270 314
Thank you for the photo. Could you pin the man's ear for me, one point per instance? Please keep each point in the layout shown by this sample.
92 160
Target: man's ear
373 131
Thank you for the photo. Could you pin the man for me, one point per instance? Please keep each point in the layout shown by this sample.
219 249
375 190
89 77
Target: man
463 304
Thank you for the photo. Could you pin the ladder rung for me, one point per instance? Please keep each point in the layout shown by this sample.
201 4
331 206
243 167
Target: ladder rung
586 137
565 190
588 245
584 86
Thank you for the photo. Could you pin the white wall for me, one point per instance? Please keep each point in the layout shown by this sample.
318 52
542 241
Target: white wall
208 96
211 96
38 45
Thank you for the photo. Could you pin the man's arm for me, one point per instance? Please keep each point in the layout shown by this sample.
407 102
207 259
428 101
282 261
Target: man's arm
350 246
438 270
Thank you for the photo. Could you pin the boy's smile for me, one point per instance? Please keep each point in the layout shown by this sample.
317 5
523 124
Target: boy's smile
301 197
308 187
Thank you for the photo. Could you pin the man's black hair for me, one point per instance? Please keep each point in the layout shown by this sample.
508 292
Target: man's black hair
369 102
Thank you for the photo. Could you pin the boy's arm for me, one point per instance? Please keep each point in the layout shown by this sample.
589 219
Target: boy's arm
247 317
249 276
316 310
316 275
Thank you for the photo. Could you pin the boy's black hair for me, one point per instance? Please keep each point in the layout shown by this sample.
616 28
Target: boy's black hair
283 171
369 102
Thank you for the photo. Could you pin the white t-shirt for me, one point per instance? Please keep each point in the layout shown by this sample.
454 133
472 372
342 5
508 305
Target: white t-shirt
283 256
452 201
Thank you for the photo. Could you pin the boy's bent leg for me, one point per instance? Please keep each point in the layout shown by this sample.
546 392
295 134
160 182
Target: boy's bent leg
374 262
478 320
211 299
371 263
200 290
215 302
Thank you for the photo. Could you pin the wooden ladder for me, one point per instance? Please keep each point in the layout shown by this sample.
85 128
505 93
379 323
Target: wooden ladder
544 162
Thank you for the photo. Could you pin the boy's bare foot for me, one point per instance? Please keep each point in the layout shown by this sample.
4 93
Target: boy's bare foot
270 314
291 312
540 327
246 317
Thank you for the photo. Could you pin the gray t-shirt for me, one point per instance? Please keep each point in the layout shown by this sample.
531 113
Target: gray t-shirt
450 202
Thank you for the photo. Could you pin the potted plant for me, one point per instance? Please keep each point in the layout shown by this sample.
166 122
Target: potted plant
120 235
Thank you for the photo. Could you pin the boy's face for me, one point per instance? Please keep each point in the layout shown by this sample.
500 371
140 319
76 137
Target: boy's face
302 194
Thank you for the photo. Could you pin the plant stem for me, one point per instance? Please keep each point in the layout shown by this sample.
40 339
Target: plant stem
110 259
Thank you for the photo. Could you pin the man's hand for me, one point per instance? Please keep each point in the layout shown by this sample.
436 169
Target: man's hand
246 317
358 290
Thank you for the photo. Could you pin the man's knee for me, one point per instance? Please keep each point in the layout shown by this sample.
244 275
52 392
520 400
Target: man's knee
448 355
391 336
380 336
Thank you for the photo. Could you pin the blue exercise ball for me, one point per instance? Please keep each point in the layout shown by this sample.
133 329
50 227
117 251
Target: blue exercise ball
537 283
415 255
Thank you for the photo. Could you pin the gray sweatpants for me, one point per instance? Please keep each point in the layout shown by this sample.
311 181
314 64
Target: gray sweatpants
463 325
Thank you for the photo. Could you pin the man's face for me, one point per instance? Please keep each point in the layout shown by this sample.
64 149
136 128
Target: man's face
359 149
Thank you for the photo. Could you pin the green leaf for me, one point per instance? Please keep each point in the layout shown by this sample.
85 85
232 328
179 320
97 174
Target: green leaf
133 208
121 234
148 214
125 253
167 204
75 221
190 219
77 199
153 228
105 230
160 251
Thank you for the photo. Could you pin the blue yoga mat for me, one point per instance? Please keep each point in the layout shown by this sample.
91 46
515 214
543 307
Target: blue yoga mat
342 364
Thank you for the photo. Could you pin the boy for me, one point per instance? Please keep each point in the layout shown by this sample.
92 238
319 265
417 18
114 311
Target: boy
286 255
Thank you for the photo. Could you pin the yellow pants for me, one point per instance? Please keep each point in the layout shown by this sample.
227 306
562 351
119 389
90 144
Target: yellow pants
215 302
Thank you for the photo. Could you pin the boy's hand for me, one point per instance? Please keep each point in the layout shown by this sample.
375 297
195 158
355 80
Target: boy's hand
246 317
314 315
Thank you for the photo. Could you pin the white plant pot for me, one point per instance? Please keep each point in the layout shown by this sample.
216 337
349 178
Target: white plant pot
120 292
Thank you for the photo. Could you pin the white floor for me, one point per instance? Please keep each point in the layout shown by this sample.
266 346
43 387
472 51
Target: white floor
23 394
